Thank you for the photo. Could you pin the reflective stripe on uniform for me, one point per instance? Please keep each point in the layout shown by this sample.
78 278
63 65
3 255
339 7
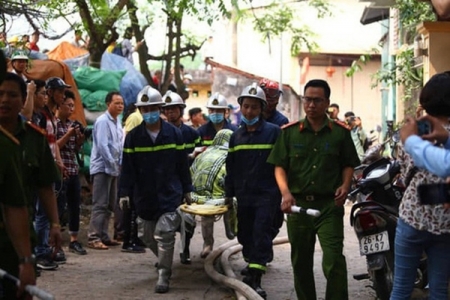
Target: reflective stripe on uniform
207 143
154 149
257 266
251 147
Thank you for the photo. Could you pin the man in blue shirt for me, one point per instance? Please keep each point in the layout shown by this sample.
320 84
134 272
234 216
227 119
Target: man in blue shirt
104 169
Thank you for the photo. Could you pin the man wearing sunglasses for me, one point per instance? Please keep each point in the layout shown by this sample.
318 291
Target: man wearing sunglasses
273 93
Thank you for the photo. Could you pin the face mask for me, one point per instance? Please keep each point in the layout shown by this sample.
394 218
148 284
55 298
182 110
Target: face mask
249 122
216 118
151 117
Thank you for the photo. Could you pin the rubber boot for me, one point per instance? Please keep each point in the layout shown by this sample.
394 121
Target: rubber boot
253 279
208 235
185 256
162 286
165 258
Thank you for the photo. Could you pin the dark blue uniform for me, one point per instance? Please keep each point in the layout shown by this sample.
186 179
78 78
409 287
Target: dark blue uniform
277 118
158 172
252 181
207 131
191 138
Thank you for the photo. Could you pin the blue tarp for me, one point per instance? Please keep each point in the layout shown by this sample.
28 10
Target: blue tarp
131 83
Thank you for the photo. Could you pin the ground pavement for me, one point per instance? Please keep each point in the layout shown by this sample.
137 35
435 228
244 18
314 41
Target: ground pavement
112 274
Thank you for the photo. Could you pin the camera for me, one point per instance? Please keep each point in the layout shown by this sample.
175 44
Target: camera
87 132
423 127
436 193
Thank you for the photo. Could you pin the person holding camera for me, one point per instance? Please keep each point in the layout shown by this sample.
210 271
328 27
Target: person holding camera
70 138
423 227
359 137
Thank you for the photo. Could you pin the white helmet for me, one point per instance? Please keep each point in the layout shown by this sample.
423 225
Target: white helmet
149 96
217 101
253 91
19 55
172 98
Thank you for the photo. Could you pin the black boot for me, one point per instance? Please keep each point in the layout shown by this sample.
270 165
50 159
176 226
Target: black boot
185 257
253 279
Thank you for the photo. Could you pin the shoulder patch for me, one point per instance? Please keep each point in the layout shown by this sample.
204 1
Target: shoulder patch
9 135
289 124
37 128
342 124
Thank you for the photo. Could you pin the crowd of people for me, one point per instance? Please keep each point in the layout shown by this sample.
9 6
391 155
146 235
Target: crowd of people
144 169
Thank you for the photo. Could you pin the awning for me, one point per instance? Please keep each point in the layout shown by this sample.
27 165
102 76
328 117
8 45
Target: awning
374 14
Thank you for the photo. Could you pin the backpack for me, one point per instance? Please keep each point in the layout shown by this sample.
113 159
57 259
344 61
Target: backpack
117 50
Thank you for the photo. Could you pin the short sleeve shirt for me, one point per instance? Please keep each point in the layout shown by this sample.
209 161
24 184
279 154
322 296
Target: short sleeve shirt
314 160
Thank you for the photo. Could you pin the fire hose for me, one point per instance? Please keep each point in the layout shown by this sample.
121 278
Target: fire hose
242 290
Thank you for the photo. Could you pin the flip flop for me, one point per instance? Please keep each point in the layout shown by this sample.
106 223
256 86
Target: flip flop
97 245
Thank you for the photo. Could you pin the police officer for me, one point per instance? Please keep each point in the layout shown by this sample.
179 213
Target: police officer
251 179
216 105
155 168
38 166
15 246
173 109
314 160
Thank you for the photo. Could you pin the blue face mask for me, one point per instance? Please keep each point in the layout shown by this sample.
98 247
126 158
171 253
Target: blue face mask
249 122
151 117
216 118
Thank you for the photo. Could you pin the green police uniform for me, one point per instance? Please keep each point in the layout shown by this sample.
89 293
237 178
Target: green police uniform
38 165
313 162
12 194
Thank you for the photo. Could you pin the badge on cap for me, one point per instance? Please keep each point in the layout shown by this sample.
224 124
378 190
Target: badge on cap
168 100
144 98
252 91
215 102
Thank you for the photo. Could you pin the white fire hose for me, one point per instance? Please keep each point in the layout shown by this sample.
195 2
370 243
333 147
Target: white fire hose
242 290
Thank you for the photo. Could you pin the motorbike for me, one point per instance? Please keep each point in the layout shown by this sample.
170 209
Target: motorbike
374 220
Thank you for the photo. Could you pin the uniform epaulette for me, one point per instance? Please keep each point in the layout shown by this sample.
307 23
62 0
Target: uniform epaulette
342 124
289 124
37 128
9 135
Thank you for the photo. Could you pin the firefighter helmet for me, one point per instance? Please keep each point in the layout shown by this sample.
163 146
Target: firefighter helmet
172 98
217 101
149 96
253 91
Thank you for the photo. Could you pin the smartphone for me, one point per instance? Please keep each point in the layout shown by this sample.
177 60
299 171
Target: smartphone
423 127
436 193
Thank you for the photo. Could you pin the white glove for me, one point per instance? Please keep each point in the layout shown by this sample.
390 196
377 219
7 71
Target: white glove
124 202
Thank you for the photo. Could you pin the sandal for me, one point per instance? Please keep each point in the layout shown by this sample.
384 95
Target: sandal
98 245
111 243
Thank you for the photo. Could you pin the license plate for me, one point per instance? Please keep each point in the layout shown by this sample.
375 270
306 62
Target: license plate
374 243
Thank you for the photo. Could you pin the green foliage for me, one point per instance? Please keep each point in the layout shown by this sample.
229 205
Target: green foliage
357 65
277 19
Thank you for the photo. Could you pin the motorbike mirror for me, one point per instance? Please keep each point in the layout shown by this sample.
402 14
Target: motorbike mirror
396 136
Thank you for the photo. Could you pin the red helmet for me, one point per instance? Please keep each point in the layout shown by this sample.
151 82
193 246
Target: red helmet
271 88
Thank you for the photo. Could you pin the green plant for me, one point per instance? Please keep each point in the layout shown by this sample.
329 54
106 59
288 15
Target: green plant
402 73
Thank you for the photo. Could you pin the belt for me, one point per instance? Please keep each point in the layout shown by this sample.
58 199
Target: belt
312 198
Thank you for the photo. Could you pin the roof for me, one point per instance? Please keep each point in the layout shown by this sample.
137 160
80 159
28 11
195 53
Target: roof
230 69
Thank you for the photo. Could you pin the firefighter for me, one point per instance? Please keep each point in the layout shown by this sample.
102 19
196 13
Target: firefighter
252 181
155 169
173 109
216 105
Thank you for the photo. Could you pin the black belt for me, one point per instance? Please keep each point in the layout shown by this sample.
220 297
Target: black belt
312 198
